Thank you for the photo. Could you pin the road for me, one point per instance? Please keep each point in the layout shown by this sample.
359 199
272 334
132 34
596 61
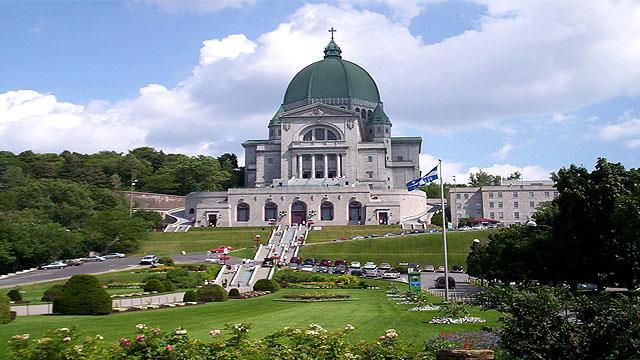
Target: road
108 265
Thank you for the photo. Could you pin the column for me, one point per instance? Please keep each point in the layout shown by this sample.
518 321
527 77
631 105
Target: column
313 166
326 166
339 159
299 163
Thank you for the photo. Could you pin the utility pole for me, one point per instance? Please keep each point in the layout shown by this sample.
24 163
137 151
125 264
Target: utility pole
133 183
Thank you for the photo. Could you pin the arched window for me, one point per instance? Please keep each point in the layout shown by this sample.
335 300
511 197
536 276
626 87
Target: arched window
242 212
270 211
331 135
326 211
192 211
320 134
369 114
355 211
308 136
363 114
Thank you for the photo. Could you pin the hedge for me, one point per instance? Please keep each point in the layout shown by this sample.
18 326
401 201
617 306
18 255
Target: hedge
266 285
82 295
52 293
209 293
154 285
234 293
5 309
190 296
168 285
14 295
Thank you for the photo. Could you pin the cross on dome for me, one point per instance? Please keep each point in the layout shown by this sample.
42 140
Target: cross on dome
332 30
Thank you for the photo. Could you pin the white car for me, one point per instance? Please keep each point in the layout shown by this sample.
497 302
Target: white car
384 267
213 260
306 268
93 258
114 255
355 265
370 265
149 260
55 265
391 274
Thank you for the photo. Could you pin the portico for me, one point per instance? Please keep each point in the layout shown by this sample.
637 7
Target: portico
317 165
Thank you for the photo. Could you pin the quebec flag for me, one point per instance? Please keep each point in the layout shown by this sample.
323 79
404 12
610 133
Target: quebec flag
429 177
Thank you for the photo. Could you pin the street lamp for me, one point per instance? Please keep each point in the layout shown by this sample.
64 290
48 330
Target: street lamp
133 183
257 240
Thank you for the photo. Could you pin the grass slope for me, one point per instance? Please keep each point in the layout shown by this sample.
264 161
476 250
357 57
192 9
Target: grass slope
422 249
203 239
329 233
371 314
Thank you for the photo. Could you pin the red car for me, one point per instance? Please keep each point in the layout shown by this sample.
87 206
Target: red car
296 260
325 262
221 249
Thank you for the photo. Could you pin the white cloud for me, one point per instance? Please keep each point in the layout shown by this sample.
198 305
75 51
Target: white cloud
633 143
503 152
228 48
197 6
630 126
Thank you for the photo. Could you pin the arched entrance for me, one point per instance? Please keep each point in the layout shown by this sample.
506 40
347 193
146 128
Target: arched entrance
355 212
298 213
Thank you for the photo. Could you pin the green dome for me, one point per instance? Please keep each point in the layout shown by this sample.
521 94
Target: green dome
330 78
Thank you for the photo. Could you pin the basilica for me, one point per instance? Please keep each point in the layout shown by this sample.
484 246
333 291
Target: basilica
330 159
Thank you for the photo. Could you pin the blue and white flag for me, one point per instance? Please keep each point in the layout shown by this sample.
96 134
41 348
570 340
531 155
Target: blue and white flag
429 177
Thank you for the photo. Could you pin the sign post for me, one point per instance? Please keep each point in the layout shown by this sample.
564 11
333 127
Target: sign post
414 281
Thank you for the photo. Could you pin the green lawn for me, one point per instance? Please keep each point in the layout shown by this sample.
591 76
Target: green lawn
422 249
329 233
371 314
202 239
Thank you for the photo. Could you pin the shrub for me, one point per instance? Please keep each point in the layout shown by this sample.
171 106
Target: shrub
266 285
234 293
154 285
209 293
5 309
166 260
83 295
169 285
190 296
14 295
52 293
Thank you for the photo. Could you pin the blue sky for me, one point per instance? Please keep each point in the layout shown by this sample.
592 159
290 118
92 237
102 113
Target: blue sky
488 85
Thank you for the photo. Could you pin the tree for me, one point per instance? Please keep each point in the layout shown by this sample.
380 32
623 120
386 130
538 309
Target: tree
114 230
82 295
482 178
516 175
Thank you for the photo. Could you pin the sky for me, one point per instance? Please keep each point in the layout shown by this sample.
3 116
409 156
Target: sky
502 86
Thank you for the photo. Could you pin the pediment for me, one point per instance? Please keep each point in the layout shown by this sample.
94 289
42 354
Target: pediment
317 110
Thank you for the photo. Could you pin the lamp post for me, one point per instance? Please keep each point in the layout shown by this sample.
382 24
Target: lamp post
257 240
133 183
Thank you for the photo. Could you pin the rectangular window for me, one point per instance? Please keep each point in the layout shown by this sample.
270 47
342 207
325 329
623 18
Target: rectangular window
457 196
515 204
532 204
531 194
369 158
499 204
319 134
491 204
499 194
490 195
515 194
458 206
492 215
501 215
370 174
466 196
546 194
516 215
458 215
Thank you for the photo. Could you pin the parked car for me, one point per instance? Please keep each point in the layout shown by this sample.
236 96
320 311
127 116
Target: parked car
74 262
371 273
587 287
309 261
93 258
441 285
440 269
296 260
114 255
340 269
213 260
391 274
457 269
414 267
428 268
492 226
293 266
340 262
325 262
384 267
370 265
355 265
357 238
268 262
464 228
322 269
356 272
55 265
221 249
148 260
306 268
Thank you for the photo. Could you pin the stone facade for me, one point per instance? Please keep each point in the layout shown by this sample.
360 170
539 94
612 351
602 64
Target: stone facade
512 202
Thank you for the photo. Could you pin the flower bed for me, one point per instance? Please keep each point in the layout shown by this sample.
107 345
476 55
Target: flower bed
462 320
153 306
252 294
425 308
315 297
139 293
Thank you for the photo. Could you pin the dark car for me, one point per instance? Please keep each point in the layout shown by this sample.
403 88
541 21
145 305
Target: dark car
340 262
267 262
322 269
296 260
325 262
357 272
309 261
441 285
587 287
414 267
340 269
457 269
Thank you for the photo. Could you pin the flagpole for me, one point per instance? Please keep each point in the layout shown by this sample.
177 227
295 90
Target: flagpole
444 236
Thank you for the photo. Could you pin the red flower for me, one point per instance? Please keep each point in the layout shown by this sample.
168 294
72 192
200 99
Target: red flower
169 347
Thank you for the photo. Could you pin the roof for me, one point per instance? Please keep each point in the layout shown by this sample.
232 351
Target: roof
332 78
378 116
406 139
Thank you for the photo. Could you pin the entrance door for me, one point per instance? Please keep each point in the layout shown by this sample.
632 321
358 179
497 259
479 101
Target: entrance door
213 220
383 218
355 213
298 213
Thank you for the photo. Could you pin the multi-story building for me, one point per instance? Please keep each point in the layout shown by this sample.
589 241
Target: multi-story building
511 202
